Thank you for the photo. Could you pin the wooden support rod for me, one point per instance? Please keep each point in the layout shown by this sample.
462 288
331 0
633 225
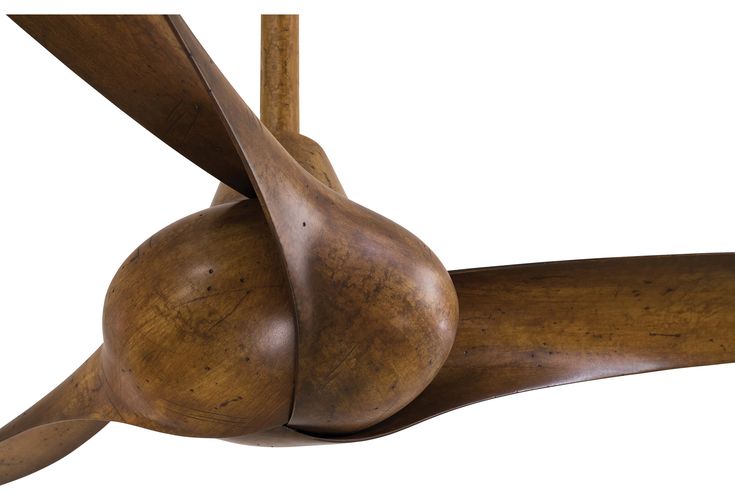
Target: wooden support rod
279 73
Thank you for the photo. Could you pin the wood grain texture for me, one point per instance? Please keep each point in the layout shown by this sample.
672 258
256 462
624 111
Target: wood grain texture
312 159
279 102
199 341
225 194
279 72
532 326
199 330
58 424
307 153
276 34
375 309
140 66
304 318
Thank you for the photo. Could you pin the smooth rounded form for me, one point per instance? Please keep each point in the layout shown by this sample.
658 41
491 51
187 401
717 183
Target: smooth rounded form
199 331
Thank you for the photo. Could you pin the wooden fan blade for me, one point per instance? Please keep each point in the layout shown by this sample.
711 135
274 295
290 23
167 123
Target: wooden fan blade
140 65
307 153
366 292
541 325
57 425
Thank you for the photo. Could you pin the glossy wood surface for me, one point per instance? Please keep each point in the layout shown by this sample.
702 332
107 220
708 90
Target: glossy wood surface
199 330
139 65
311 157
307 153
58 424
304 318
279 48
539 325
375 309
279 102
279 97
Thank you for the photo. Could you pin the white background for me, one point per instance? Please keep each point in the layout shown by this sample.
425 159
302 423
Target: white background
512 132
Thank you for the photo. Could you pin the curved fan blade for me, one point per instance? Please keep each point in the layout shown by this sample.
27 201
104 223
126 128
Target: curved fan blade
324 256
540 325
57 425
307 153
139 64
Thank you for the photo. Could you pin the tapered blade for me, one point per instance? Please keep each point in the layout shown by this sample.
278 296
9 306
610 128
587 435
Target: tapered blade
57 425
541 325
141 66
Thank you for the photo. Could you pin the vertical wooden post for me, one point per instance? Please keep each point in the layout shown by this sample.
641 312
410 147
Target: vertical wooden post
279 73
279 83
279 96
279 101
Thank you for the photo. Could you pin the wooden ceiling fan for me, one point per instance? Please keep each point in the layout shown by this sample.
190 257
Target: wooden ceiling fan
285 314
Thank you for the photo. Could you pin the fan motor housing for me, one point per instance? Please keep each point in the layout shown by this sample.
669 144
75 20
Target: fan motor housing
201 340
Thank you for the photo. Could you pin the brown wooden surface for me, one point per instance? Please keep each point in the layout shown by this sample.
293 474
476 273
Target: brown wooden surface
199 330
279 102
279 72
539 325
307 153
312 158
139 65
279 68
58 424
375 309
225 194
302 312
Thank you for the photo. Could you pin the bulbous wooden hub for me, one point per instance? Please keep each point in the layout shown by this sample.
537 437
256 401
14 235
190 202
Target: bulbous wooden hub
198 327
201 339
376 325
302 317
376 310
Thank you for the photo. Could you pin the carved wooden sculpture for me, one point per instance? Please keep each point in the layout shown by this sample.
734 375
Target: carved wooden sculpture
301 317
